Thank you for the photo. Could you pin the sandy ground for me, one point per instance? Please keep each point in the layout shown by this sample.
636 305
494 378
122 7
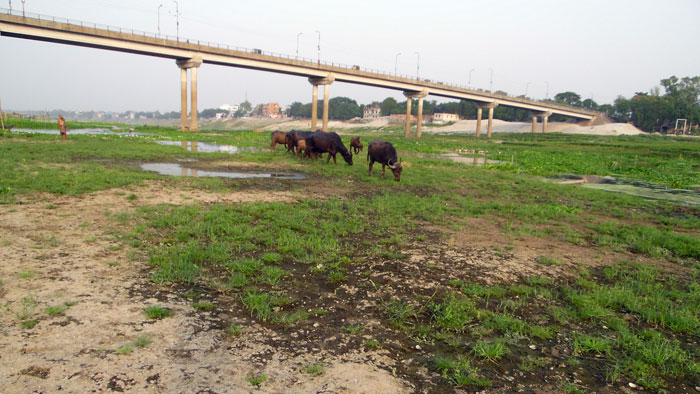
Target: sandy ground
462 126
56 250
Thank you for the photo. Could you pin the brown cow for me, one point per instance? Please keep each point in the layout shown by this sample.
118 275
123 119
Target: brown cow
355 145
277 137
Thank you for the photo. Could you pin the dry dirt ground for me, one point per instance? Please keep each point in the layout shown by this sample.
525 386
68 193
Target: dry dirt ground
54 250
57 251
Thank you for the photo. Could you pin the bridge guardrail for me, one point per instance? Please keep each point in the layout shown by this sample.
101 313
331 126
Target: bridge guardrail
272 54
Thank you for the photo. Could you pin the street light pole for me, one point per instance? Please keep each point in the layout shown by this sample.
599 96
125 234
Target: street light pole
23 14
177 20
469 84
298 35
319 46
159 18
546 95
396 62
527 85
491 83
418 65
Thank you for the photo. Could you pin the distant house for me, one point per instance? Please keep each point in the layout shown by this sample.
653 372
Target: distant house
372 112
442 117
271 110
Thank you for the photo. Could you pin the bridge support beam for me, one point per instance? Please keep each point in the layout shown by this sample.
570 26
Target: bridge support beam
478 121
326 94
186 64
545 117
410 95
314 107
326 82
490 107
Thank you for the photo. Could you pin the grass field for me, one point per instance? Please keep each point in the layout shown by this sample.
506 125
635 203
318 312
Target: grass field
603 288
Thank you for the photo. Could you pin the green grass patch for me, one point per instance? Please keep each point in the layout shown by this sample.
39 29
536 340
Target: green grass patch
158 312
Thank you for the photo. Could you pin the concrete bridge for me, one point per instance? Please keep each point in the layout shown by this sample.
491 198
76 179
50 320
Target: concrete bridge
189 55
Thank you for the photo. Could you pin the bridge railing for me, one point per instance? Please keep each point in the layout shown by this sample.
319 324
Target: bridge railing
257 51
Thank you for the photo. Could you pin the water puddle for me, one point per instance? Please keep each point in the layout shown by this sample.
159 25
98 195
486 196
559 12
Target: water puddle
478 159
195 146
88 131
175 169
640 189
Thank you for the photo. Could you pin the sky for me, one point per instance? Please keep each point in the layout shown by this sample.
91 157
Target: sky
597 48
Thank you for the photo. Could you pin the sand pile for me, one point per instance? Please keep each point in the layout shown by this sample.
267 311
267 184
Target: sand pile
500 126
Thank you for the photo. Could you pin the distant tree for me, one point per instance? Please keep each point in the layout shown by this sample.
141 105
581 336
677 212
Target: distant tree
645 111
589 104
343 108
258 110
299 110
243 109
682 98
390 106
211 112
568 98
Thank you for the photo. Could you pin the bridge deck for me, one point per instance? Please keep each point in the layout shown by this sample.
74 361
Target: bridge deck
43 28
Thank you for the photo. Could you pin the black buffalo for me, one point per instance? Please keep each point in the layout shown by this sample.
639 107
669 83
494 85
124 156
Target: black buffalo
384 153
322 142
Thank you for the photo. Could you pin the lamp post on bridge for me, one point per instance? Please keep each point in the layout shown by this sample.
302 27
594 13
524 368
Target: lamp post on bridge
396 62
298 35
177 20
319 47
159 18
24 15
418 65
526 87
469 84
546 95
491 83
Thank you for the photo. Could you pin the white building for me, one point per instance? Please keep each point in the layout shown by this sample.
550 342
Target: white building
372 112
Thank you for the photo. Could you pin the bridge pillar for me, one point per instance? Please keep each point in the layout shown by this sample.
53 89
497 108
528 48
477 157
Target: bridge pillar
194 126
326 93
314 107
183 99
326 82
545 118
534 123
490 107
410 95
420 117
407 132
478 121
186 64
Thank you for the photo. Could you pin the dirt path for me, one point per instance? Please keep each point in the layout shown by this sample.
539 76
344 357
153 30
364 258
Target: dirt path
56 253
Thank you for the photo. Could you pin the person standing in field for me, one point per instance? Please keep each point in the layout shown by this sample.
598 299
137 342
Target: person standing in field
63 128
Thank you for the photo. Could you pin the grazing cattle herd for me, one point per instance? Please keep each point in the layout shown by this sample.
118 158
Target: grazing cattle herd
313 144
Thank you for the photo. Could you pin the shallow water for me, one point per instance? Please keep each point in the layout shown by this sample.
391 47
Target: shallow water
641 189
455 157
195 146
175 169
88 131
689 197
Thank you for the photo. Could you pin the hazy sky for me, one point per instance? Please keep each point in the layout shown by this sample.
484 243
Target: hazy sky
597 48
